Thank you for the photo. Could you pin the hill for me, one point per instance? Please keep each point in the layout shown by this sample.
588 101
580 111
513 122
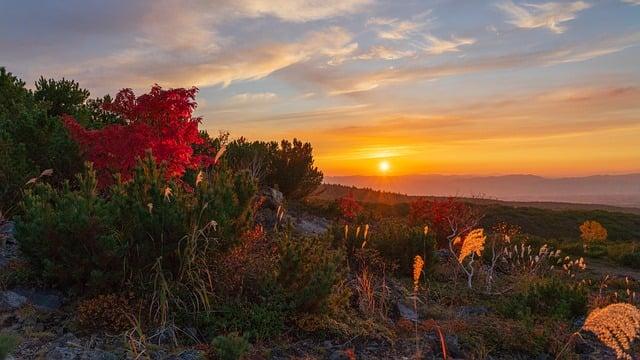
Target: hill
616 190
543 219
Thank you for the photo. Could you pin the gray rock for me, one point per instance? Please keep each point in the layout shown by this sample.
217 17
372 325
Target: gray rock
406 312
10 300
42 299
311 226
273 197
64 353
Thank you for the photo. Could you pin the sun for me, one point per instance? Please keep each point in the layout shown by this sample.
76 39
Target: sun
384 166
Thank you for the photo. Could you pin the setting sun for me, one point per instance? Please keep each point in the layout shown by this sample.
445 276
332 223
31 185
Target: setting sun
384 166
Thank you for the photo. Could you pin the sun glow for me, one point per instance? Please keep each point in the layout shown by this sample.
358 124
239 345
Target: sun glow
384 166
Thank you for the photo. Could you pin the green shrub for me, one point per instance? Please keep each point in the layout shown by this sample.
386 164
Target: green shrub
287 166
548 298
230 347
308 269
255 321
66 237
31 139
398 243
7 344
631 260
77 239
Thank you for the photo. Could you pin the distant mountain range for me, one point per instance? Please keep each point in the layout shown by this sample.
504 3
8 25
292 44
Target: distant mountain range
617 190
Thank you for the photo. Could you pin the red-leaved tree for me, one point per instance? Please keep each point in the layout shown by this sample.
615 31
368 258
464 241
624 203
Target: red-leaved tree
447 218
349 208
161 122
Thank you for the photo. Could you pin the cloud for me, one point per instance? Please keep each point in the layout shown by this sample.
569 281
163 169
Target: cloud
381 52
299 10
341 83
440 46
139 67
632 2
396 29
253 97
549 15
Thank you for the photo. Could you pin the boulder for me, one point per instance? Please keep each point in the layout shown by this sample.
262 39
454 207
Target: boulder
10 300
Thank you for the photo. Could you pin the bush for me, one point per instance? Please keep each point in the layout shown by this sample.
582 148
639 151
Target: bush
255 321
631 260
230 347
65 235
77 239
549 298
308 270
7 344
105 312
398 243
31 140
287 166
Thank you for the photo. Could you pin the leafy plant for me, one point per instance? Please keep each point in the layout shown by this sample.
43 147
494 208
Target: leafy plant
398 243
7 344
550 298
307 272
230 347
160 121
66 237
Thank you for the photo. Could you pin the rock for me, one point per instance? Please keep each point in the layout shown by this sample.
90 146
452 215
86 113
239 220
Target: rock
311 226
42 299
406 312
10 300
64 353
273 198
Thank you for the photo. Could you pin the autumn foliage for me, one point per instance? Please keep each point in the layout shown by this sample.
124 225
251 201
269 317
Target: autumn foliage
447 218
592 231
160 121
349 208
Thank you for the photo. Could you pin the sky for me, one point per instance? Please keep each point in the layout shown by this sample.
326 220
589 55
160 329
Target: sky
424 87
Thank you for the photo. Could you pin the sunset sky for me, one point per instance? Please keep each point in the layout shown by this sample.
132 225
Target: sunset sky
443 86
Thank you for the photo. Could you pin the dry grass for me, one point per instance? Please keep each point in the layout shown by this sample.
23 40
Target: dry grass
616 326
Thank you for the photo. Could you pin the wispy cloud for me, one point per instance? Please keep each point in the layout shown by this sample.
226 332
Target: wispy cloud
441 46
632 2
253 97
299 10
342 83
381 52
550 15
397 29
140 67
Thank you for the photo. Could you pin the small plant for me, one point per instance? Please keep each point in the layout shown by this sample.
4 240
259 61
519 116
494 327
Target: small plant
592 231
7 344
470 247
550 298
105 312
230 347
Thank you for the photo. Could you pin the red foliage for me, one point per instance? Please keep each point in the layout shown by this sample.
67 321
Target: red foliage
349 207
161 122
445 217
